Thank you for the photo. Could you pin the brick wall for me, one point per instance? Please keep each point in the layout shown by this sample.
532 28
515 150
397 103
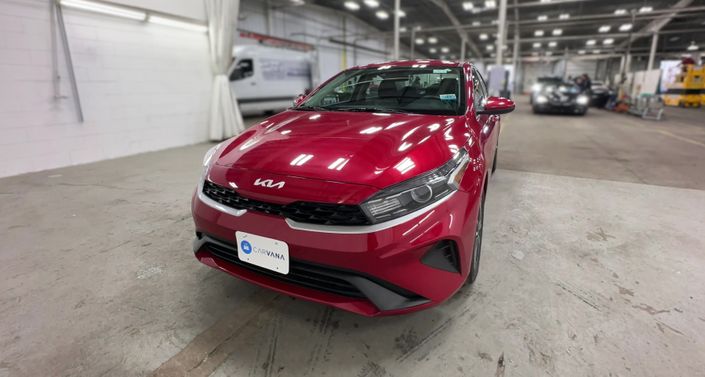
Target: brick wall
143 87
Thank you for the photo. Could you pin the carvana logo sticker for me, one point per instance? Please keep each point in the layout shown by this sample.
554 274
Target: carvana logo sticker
246 247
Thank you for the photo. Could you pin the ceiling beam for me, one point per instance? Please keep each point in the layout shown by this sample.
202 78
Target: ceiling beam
655 25
458 27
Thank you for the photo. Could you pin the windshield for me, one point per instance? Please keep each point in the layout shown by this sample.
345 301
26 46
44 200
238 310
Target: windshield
406 90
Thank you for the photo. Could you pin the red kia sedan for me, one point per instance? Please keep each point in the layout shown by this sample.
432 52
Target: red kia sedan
367 195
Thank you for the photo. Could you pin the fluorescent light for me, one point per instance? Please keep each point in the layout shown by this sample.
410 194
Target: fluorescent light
371 3
483 37
596 51
432 50
402 29
298 2
581 52
489 47
625 27
545 1
549 53
557 32
445 50
604 28
537 45
419 41
564 16
167 21
402 13
476 23
552 44
693 47
646 9
542 17
620 11
538 33
382 15
432 40
105 9
608 41
590 42
468 5
351 5
489 4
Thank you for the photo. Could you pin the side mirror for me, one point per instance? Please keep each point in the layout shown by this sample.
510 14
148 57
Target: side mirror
497 105
299 99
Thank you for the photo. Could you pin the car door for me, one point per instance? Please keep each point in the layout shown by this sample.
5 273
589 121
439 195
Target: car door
487 123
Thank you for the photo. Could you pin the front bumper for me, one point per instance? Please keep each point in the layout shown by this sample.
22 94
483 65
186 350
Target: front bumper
382 272
559 107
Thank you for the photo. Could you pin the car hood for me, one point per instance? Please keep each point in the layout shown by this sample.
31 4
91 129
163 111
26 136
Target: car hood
375 149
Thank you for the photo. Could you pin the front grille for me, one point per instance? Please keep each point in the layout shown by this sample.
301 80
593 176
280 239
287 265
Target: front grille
300 273
304 212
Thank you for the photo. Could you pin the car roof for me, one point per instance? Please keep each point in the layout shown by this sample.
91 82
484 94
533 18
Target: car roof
413 63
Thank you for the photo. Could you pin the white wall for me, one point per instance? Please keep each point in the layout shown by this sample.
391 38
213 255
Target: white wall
143 87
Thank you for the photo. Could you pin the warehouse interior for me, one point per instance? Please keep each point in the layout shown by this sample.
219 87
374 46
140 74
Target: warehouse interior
594 223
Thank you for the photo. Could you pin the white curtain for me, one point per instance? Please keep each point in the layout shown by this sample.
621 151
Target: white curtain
225 117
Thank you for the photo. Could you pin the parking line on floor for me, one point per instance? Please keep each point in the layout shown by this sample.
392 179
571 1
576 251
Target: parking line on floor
681 138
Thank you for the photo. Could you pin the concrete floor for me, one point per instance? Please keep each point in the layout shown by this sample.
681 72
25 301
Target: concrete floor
592 266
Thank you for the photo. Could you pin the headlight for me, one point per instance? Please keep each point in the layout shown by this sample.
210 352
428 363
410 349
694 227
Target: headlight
209 157
582 100
541 99
418 192
536 87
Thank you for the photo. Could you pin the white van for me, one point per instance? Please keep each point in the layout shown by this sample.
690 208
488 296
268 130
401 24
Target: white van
267 79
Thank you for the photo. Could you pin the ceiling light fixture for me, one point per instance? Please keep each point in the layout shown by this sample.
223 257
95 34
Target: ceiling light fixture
536 45
625 27
596 51
371 3
476 23
542 17
402 13
564 16
445 50
557 32
432 50
172 22
538 33
620 12
432 40
298 2
552 44
489 47
419 41
490 4
468 5
351 5
484 37
693 46
608 41
590 42
646 9
604 28
105 9
581 52
382 15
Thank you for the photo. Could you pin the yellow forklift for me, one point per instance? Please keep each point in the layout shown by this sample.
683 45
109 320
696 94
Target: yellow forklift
688 88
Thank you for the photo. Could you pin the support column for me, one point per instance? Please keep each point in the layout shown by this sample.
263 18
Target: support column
516 58
462 49
412 43
501 30
652 53
397 8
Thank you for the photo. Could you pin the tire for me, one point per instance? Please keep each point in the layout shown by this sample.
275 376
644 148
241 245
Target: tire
477 244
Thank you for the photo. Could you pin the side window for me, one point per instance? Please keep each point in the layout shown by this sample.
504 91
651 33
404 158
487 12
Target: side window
480 91
243 69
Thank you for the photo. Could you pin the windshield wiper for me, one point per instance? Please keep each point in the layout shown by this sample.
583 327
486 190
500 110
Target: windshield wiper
371 110
311 108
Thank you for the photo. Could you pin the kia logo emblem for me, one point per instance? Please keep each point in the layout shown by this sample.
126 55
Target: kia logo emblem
269 183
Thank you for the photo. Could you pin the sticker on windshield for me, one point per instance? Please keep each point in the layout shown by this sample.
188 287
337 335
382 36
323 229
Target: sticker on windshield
447 97
441 70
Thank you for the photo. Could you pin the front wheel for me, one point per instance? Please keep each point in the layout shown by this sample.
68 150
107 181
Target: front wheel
477 244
